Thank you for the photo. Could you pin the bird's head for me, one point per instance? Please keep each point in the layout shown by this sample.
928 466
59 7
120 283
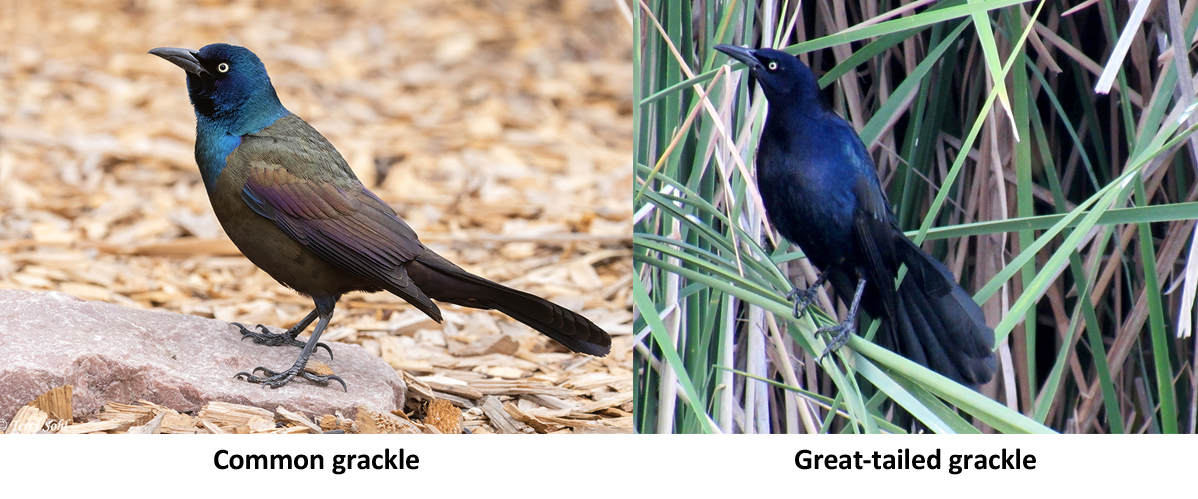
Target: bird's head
780 74
228 86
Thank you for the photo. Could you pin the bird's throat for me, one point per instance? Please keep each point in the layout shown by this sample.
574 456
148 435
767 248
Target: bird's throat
212 147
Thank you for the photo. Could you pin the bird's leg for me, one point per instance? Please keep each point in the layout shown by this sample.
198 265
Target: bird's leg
324 308
843 330
288 338
804 297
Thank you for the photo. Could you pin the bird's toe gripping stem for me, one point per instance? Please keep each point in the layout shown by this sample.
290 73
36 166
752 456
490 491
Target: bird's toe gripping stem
803 298
841 332
840 336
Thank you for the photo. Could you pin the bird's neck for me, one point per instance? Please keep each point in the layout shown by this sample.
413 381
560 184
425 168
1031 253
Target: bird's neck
792 124
216 138
807 103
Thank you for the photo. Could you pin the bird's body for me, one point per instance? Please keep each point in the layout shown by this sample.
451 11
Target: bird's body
820 189
784 188
294 208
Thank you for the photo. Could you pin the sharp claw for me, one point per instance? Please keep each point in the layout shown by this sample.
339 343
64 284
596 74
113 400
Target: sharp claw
344 387
265 371
326 348
827 351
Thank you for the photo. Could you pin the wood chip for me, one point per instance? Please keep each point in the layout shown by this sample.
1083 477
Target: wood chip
329 422
213 427
500 419
460 402
518 387
526 418
499 344
257 424
232 415
180 424
56 403
572 422
613 401
451 386
27 421
298 418
417 388
318 369
133 414
593 380
181 247
155 407
95 427
551 401
150 428
442 415
371 422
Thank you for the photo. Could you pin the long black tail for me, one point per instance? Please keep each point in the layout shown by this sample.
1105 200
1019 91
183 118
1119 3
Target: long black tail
938 324
443 281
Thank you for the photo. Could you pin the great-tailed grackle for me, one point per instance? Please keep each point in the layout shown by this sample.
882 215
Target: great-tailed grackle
292 205
821 191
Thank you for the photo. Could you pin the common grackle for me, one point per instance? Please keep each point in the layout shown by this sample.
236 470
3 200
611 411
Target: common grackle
292 205
821 191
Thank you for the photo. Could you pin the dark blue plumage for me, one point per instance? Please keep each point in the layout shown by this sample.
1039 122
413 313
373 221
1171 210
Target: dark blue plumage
821 191
291 204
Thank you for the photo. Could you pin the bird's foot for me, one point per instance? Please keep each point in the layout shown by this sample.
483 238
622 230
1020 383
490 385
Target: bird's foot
276 379
840 336
842 331
276 339
803 298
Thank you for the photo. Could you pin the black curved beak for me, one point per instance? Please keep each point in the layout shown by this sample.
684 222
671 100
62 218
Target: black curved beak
183 58
743 54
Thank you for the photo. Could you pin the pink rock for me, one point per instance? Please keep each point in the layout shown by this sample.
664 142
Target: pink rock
118 354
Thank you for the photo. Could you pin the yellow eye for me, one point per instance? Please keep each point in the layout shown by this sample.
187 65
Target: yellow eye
224 67
773 66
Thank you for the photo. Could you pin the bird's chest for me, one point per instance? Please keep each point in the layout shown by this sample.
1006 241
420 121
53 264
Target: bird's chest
256 236
809 199
261 240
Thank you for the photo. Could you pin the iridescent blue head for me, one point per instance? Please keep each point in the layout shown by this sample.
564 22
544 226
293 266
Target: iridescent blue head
228 86
783 77
232 97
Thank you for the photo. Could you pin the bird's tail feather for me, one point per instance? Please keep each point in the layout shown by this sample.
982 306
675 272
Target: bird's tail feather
442 281
939 325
